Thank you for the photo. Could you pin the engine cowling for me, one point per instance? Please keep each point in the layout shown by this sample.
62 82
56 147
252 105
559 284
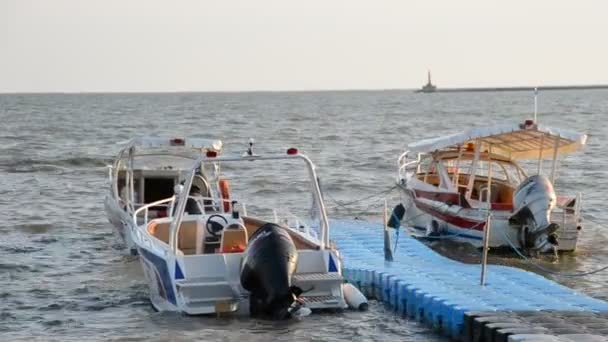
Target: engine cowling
270 260
533 201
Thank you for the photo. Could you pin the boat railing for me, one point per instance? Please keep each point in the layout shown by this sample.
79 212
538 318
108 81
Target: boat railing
213 205
578 206
110 174
404 165
143 211
295 223
568 217
142 237
206 205
249 156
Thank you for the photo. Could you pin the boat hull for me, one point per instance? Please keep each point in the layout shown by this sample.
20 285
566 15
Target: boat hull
435 213
210 283
122 223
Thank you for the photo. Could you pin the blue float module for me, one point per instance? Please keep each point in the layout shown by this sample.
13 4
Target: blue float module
429 287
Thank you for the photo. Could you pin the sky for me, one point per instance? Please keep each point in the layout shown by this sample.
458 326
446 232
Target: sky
245 45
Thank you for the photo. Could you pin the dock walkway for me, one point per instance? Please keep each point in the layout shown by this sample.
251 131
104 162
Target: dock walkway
514 305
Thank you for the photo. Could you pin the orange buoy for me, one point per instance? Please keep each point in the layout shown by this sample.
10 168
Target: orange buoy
239 248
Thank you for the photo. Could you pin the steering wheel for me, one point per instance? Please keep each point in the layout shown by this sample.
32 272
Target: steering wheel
213 227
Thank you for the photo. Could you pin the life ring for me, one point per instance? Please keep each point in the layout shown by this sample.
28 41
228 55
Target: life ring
224 186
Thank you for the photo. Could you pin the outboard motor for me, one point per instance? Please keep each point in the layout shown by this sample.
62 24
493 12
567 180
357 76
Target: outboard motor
269 262
533 202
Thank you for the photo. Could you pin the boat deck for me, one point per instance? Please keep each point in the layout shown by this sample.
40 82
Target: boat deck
444 293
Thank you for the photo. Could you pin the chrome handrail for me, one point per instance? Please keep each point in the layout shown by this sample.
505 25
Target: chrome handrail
281 213
199 200
324 222
403 164
146 207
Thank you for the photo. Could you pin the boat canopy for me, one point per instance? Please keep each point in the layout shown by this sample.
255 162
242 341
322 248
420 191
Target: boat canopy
163 142
514 141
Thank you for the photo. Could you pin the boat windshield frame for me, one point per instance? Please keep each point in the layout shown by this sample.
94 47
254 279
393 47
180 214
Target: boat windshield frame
441 158
315 188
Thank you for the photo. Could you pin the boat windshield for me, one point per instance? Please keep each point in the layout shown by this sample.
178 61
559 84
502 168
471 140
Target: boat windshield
501 170
275 188
276 191
162 162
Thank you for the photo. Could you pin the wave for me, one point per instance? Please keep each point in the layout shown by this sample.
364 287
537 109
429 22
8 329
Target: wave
15 267
30 165
20 249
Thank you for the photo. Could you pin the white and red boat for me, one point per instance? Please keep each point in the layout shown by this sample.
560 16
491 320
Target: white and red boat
456 184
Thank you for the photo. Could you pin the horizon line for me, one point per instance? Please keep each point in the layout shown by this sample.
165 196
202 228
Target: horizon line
321 90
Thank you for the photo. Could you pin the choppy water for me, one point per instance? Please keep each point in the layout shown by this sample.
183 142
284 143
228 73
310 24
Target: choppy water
62 275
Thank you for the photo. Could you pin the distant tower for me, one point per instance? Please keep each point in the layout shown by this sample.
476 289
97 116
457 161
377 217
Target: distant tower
429 87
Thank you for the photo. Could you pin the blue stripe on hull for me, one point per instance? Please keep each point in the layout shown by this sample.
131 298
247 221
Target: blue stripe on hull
163 271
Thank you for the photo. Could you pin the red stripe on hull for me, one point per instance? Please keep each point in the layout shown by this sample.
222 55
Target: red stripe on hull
451 219
449 198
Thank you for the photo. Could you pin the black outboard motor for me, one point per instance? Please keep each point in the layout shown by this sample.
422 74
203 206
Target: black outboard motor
533 202
270 260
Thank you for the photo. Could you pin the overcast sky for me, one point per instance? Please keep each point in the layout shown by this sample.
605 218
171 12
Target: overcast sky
201 45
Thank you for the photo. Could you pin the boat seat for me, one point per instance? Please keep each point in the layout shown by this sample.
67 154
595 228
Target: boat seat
234 238
188 232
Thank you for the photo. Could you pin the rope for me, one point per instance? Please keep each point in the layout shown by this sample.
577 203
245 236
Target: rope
346 204
581 274
396 231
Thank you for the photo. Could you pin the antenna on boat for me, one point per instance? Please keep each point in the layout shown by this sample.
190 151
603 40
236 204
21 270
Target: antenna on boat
535 104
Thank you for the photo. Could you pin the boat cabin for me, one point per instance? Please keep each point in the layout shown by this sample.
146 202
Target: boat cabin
482 165
452 171
148 169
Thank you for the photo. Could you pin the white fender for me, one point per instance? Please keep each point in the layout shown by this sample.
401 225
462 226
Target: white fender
354 298
303 312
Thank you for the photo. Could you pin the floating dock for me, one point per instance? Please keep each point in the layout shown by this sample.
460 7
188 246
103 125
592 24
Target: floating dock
514 305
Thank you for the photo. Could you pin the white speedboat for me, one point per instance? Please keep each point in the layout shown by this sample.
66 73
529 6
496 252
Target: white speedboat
146 170
225 260
454 183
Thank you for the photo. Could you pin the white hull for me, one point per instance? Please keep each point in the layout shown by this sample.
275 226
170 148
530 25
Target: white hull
202 284
419 215
122 223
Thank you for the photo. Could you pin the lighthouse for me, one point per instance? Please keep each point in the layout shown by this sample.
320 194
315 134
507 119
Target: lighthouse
429 87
